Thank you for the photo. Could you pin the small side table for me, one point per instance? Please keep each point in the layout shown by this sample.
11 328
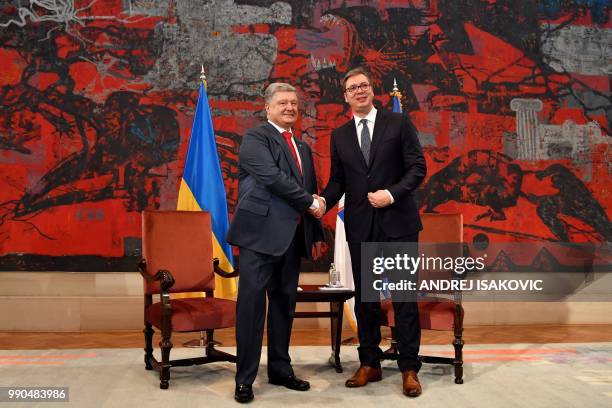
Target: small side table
336 299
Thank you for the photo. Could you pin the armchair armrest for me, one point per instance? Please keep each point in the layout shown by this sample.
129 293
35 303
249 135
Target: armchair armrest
222 273
165 278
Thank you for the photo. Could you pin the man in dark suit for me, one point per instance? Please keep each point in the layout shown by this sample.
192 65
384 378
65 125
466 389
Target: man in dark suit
377 161
274 227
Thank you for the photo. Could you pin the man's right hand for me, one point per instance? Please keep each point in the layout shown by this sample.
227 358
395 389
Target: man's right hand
318 212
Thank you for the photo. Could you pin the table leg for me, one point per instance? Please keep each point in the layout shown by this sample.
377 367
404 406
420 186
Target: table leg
336 309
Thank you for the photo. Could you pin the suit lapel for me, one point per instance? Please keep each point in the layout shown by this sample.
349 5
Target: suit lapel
380 124
285 149
354 144
303 157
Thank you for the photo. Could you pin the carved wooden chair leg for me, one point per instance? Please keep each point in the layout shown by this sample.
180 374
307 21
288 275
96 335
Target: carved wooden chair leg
164 372
148 334
458 345
458 363
210 337
210 342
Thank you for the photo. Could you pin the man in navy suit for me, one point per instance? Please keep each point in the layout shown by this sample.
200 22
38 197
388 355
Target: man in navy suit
274 226
377 161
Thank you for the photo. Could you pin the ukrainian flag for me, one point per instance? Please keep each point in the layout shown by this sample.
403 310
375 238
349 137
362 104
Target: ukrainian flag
202 189
397 95
397 105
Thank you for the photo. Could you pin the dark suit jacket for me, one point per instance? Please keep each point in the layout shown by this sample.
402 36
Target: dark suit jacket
272 194
396 164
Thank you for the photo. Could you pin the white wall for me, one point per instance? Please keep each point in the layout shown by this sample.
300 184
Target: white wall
74 301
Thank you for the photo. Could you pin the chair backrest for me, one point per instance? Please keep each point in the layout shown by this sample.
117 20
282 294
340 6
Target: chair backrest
434 312
441 228
181 242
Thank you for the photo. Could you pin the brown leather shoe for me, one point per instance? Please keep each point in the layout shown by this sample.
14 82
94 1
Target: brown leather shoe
364 375
411 384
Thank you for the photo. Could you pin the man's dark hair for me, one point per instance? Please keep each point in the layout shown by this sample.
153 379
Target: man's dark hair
356 71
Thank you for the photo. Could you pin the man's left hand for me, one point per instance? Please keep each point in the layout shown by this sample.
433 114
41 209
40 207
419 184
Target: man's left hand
379 199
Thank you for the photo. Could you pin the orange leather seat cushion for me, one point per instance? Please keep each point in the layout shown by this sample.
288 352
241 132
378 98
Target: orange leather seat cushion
195 314
437 315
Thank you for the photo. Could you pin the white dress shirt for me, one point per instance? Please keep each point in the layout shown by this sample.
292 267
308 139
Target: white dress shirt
371 118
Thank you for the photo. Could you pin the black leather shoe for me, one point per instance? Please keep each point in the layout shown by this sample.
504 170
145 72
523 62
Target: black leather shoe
291 382
244 393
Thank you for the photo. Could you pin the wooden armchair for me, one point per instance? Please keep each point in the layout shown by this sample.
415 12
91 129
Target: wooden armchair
436 312
177 250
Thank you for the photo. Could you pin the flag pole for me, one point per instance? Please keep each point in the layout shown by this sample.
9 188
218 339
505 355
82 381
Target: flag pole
205 339
391 352
396 95
203 76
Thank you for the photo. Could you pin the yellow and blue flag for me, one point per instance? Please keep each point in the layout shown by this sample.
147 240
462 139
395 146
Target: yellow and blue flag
397 105
397 96
202 189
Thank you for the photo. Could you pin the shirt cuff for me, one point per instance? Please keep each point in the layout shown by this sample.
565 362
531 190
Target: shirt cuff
314 205
390 196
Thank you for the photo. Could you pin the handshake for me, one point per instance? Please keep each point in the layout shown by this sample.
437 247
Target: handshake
317 209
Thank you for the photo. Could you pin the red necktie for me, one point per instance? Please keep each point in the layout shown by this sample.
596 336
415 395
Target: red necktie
287 136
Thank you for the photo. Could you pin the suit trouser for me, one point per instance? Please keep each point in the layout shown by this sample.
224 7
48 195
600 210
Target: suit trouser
407 326
276 276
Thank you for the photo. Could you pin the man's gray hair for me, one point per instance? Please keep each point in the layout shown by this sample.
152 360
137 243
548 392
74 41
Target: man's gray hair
275 87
